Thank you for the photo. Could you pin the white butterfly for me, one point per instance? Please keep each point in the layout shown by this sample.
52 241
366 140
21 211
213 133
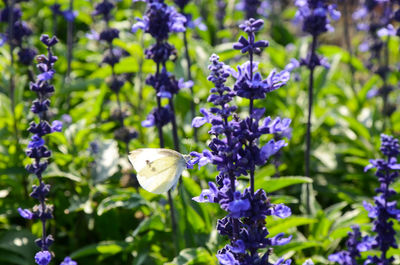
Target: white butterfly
158 169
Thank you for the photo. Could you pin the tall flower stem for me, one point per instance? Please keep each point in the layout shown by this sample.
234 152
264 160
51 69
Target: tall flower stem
385 90
346 32
311 67
12 90
174 126
189 77
12 81
162 145
70 37
251 106
140 74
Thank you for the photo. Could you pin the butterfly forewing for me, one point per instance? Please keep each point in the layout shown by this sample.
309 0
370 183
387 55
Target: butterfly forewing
158 169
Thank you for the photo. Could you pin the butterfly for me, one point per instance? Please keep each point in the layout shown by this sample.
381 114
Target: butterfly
158 169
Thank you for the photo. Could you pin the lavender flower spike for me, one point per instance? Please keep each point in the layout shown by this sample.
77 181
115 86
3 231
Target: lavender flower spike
387 170
234 151
37 149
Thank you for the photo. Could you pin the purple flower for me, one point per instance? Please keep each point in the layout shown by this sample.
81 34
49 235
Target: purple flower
69 15
238 206
109 34
68 261
56 126
208 195
25 213
36 142
271 148
158 117
45 76
26 55
43 257
251 8
279 240
199 121
104 8
160 20
227 259
308 262
355 244
49 42
314 14
281 211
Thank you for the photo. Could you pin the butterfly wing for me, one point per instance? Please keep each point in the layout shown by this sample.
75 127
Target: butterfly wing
158 169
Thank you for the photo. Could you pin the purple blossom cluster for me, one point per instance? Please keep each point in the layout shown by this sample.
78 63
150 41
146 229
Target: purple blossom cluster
17 30
69 14
383 212
159 21
355 245
378 18
315 15
37 150
112 56
235 151
251 8
385 209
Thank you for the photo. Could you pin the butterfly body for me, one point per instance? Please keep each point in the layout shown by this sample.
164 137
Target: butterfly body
158 169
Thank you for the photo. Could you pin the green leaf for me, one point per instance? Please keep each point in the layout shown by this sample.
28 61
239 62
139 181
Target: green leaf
274 184
295 246
104 248
278 225
127 201
152 223
17 247
193 256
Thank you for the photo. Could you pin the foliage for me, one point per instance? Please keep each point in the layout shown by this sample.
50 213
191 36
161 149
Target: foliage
102 216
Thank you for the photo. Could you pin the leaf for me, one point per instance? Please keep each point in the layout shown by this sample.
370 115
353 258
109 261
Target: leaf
17 247
152 223
274 184
54 172
127 201
295 246
7 256
193 256
358 128
279 225
104 248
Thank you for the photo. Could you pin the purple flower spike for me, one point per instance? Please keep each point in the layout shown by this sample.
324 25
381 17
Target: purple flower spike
382 212
235 152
